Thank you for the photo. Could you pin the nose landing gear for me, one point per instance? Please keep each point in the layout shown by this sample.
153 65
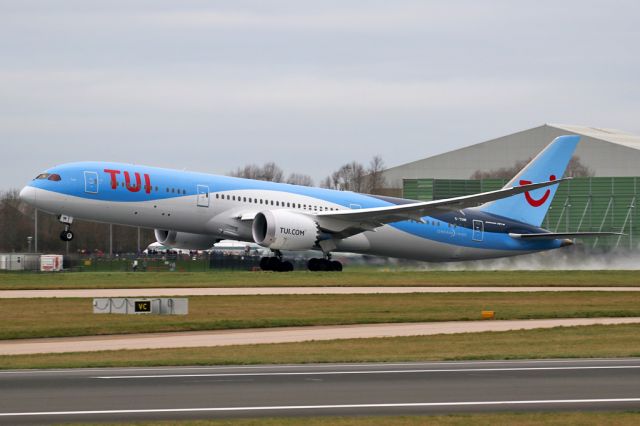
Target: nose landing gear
66 235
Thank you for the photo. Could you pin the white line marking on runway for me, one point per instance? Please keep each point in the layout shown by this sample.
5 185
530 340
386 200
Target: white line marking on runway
314 366
328 373
320 407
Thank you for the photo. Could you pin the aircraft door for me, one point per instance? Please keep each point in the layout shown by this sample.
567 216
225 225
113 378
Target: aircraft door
91 182
203 196
478 230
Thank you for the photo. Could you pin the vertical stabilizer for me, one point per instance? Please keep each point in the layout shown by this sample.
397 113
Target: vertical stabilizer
550 164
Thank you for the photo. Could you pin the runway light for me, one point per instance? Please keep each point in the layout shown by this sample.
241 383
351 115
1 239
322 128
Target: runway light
488 314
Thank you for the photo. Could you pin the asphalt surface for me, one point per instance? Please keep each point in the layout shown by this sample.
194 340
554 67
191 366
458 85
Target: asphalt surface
252 291
192 339
43 397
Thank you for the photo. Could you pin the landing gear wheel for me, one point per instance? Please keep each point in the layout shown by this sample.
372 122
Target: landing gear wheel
316 264
66 235
275 264
313 264
264 263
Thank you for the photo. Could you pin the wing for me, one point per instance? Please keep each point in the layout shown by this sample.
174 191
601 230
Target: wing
345 223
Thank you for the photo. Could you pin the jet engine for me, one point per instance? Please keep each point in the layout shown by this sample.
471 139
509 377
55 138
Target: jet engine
184 240
284 230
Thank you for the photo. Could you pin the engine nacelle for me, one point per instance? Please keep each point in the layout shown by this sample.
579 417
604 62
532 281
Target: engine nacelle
284 230
184 240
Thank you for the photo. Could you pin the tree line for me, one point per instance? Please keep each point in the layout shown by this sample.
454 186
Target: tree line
352 176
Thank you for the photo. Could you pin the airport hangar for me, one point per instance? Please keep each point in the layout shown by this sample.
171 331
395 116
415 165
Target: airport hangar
605 200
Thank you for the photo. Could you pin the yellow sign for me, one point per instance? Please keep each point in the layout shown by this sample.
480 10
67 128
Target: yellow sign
142 306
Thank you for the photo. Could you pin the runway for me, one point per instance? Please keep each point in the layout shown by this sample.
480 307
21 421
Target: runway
282 335
253 291
84 395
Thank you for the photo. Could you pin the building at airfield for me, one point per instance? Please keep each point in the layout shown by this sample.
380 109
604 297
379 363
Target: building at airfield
603 200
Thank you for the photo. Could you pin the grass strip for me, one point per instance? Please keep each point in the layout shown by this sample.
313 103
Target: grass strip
597 341
522 419
355 277
34 318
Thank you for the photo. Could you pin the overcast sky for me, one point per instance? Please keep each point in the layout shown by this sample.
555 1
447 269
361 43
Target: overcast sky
213 85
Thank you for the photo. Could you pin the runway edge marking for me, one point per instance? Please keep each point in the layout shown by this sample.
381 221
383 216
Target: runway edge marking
318 407
328 373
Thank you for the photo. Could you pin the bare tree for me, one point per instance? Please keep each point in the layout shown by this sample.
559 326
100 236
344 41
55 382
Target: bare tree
375 176
300 179
577 169
327 183
349 177
272 172
269 172
249 171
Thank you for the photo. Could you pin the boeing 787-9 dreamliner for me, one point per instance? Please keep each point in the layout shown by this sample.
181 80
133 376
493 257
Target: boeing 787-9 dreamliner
191 210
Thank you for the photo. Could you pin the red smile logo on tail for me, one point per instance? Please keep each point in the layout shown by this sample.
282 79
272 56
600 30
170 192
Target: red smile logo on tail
541 200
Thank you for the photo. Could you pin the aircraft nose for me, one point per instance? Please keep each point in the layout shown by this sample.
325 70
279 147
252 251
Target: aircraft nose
28 194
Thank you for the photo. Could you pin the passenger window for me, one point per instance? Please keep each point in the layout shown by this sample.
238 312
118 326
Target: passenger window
233 198
216 196
244 199
173 190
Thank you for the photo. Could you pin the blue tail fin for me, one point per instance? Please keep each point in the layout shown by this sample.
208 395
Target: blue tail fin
531 207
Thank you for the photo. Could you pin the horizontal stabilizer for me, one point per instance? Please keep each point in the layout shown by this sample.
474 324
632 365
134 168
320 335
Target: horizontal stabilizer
558 235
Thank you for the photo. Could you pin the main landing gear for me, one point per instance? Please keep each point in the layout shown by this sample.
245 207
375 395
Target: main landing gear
324 264
276 263
66 235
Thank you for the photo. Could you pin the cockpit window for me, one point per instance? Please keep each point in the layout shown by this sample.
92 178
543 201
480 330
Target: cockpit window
43 176
55 177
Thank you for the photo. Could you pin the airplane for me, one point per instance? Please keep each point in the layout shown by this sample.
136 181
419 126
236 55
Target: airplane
190 210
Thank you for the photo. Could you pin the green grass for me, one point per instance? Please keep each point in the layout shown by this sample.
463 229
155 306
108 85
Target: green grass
58 317
562 342
354 277
492 419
